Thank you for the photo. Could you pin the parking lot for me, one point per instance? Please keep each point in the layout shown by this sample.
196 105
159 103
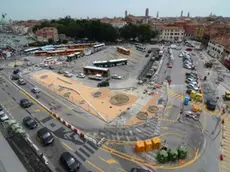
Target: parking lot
129 72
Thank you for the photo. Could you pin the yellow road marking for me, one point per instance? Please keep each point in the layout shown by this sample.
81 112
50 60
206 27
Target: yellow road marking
122 170
67 146
109 161
94 166
37 110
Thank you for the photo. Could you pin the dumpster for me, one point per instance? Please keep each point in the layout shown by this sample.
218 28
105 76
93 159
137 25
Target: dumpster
140 146
156 142
148 145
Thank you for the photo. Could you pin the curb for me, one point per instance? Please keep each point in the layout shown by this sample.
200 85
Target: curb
67 124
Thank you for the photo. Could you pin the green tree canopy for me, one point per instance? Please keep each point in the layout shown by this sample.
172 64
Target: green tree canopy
78 29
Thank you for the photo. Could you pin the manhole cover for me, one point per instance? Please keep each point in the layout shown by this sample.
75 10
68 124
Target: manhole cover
153 109
119 99
142 115
44 77
97 94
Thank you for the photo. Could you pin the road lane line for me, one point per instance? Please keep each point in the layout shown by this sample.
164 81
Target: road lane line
67 146
94 166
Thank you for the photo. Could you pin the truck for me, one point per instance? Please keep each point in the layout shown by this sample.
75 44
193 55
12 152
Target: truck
97 77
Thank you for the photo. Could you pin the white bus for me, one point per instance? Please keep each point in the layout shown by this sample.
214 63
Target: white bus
140 48
98 47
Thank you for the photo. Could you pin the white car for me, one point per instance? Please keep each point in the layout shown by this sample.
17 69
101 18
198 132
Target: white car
115 76
80 75
193 82
3 116
181 55
68 74
36 90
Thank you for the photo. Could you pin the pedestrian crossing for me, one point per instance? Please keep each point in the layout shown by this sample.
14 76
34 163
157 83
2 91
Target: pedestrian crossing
150 129
175 95
225 165
85 151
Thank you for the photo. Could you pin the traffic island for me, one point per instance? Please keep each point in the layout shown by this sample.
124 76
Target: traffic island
101 102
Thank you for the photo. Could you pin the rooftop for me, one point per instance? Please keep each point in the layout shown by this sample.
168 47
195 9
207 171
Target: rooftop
8 157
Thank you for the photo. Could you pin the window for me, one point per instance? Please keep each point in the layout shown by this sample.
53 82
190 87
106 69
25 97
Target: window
171 33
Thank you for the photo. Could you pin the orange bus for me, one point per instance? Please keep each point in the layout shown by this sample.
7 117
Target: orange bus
56 53
40 53
123 50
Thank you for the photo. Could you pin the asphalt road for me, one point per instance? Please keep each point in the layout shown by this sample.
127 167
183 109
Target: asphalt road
71 113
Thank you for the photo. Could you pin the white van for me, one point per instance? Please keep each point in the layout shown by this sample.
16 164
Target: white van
49 59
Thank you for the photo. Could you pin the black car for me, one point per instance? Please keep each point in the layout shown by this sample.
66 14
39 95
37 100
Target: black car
149 51
103 84
70 163
30 122
16 71
51 68
191 73
45 136
1 108
147 55
138 170
211 104
25 103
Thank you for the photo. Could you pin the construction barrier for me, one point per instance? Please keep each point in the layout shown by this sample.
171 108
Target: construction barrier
81 134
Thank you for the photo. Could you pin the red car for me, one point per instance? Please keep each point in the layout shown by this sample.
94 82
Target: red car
169 65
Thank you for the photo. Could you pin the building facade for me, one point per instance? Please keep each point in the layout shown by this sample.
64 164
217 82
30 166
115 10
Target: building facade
169 33
44 34
214 49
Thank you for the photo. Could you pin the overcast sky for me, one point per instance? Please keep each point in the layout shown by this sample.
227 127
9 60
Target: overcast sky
40 9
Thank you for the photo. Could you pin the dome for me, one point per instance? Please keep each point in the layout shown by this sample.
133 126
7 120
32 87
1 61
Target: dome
4 21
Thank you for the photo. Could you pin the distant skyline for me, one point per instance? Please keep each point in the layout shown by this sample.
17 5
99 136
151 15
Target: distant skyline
51 9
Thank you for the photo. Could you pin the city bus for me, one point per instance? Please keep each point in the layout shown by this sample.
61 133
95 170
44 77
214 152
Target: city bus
123 50
74 56
140 48
31 50
98 47
110 63
92 70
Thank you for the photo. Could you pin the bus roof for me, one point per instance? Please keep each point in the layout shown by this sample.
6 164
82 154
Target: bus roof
98 45
32 49
96 68
117 60
102 61
123 48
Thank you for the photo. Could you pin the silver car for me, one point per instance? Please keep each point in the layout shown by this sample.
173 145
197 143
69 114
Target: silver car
3 116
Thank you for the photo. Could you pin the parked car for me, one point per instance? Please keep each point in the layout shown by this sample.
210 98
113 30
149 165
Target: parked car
193 85
45 136
16 71
147 55
103 84
69 162
81 75
193 82
68 74
25 103
187 66
191 74
115 76
1 108
139 170
149 51
1 67
30 122
195 88
181 55
3 116
15 77
51 68
36 90
21 82
61 71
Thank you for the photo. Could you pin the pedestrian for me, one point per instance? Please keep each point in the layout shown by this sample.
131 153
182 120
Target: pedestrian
223 111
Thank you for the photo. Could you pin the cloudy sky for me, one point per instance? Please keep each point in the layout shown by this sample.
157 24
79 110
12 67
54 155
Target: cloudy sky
40 9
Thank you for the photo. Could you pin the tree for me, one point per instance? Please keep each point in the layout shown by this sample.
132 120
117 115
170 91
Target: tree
173 154
182 152
162 156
